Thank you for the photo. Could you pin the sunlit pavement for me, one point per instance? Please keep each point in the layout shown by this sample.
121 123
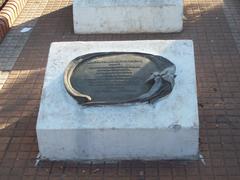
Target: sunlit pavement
213 25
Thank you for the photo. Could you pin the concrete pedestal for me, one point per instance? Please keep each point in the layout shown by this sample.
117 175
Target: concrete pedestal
127 16
168 129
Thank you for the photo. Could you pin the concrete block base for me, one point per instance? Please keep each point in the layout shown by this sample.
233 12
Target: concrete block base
129 16
168 129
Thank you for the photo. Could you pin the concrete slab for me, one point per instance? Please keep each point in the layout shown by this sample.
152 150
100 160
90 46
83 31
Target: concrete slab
168 129
127 16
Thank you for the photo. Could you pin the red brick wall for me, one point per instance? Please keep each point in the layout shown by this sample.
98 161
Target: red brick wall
8 15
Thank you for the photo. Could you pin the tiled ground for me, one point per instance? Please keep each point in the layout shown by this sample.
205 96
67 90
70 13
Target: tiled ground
214 27
14 42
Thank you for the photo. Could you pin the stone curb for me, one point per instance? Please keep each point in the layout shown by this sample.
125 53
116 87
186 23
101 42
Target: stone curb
8 15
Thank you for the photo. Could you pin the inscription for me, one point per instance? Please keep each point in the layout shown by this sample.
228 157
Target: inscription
112 75
116 78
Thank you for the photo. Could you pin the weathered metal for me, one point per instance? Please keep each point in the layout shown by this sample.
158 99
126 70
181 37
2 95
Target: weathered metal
119 77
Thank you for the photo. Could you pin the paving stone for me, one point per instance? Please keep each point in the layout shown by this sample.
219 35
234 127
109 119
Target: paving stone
214 28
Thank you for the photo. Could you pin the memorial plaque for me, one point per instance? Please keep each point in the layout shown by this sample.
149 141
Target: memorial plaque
118 78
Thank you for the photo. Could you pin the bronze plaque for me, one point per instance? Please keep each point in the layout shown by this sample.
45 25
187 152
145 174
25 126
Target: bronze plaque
118 78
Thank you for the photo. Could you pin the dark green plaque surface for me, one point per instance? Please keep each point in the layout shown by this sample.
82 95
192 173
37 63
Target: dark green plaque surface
118 78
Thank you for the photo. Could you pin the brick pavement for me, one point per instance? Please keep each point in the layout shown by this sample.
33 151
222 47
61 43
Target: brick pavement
213 26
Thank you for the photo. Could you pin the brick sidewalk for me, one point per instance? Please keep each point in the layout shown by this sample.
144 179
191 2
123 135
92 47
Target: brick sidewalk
214 27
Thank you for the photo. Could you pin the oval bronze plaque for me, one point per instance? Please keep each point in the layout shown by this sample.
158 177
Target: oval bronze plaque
118 78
